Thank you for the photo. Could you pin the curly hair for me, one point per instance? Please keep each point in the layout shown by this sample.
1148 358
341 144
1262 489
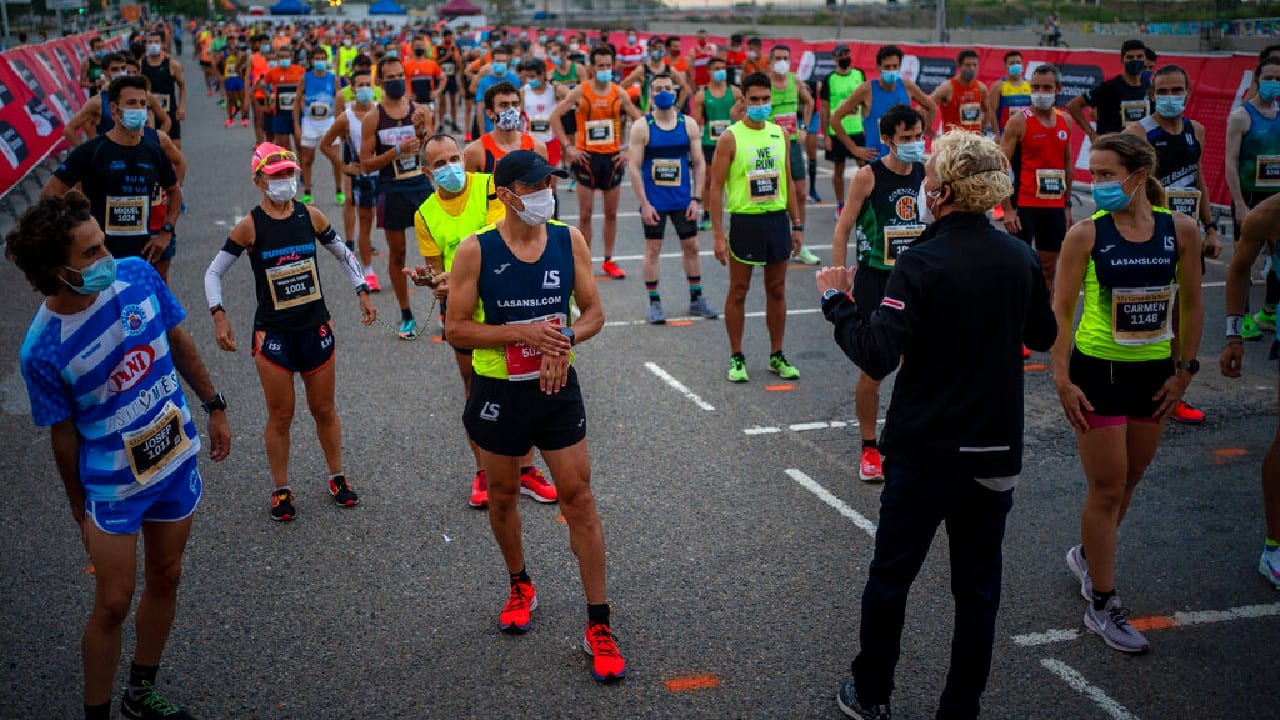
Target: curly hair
975 168
40 243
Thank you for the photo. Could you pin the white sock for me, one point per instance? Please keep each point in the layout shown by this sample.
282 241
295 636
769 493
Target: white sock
368 269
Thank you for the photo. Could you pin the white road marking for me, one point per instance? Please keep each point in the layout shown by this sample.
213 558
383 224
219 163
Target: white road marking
802 427
679 387
1179 619
1071 677
753 314
839 505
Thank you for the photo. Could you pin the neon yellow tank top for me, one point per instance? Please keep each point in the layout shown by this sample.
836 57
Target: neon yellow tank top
448 230
757 181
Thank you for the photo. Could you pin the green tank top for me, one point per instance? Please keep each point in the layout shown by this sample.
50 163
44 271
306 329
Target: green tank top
757 181
570 78
715 112
786 107
889 220
839 88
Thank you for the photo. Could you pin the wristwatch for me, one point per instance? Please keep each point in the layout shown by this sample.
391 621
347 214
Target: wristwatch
217 402
830 293
568 332
167 227
1192 366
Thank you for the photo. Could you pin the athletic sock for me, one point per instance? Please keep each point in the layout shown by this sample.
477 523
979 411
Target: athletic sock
598 613
406 314
1271 545
526 469
521 576
98 712
695 287
335 476
368 269
738 356
138 674
706 215
813 170
869 444
1100 598
652 287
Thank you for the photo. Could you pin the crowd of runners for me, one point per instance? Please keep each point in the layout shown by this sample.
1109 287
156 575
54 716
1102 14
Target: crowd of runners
466 137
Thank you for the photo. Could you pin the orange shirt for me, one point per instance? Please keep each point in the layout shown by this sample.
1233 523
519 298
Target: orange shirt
282 79
965 109
422 74
600 120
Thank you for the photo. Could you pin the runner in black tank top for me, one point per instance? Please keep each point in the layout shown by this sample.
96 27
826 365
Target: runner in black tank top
166 85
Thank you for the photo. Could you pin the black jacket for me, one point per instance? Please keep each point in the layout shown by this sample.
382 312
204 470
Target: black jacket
959 306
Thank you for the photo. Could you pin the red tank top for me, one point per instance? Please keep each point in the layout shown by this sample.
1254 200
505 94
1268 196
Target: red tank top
965 109
1042 168
493 153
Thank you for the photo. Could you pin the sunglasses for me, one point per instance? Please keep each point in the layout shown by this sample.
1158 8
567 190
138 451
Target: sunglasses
275 156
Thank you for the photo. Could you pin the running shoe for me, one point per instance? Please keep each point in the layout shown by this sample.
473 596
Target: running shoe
738 369
222 103
1269 567
1026 353
611 269
1187 415
537 486
656 316
244 122
813 193
282 505
306 197
870 468
806 256
151 705
209 93
522 601
372 281
1265 320
340 199
1080 568
229 123
479 490
1249 329
1112 624
343 495
704 223
779 366
700 308
849 704
607 663
408 329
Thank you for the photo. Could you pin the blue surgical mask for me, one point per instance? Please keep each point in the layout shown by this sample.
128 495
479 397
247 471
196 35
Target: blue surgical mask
320 65
1269 90
451 177
133 118
535 83
97 277
499 68
1170 106
719 76
664 99
1110 195
364 95
889 77
604 76
1015 70
273 63
910 152
760 113
286 62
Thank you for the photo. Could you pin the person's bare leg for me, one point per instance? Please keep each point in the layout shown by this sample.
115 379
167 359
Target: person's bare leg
866 401
775 303
324 410
735 302
503 474
163 544
277 387
571 471
115 566
1104 457
609 231
586 201
395 267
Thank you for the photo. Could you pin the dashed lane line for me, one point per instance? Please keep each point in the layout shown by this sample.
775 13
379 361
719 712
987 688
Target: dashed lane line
679 387
1077 682
836 503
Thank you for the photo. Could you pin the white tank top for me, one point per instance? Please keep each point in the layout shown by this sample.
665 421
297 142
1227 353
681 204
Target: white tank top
538 107
354 128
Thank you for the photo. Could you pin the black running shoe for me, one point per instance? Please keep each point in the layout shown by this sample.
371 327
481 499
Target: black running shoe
343 495
849 704
282 506
151 705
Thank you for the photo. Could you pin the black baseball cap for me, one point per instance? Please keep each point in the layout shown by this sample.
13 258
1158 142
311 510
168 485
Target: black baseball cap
839 49
523 166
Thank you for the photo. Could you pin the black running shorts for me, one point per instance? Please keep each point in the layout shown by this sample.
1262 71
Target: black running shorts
599 171
1043 228
760 239
685 228
508 418
1120 389
300 351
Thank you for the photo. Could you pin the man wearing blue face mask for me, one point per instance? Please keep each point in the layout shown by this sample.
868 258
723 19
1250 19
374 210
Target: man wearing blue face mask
499 71
875 98
118 172
363 187
1118 101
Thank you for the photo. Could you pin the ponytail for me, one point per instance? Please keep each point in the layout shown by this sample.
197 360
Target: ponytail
1155 192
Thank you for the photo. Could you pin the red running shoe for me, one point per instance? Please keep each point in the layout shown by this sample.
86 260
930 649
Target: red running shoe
1026 353
1187 415
479 490
229 123
515 615
870 469
372 281
611 269
537 486
244 122
607 663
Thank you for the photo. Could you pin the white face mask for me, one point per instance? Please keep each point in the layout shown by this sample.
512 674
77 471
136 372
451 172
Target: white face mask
781 67
922 206
539 207
1042 101
153 49
283 189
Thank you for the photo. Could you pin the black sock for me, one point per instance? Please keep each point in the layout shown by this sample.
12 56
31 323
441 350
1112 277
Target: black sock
739 356
775 354
139 674
521 576
869 444
406 314
695 287
98 712
813 172
598 613
526 469
1100 598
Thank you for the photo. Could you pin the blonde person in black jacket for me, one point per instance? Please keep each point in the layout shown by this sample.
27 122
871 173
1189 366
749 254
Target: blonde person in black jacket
960 304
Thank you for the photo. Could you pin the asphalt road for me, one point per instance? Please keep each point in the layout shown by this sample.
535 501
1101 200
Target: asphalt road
737 529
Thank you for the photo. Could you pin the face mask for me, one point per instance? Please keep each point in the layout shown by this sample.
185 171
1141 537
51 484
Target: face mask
286 62
1133 68
760 113
133 118
781 67
364 95
889 77
282 190
542 39
97 277
555 58
420 52
719 76
273 63
451 177
1015 70
968 75
664 99
346 43
753 54
498 68
910 152
1269 90
1111 196
1170 106
631 39
118 75
604 76
153 49
538 207
656 55
394 88
393 53
1043 101
535 83
508 119
573 47
844 63
320 65
922 206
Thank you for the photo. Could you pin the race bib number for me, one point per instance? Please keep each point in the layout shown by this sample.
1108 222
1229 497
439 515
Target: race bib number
666 172
718 127
285 101
1267 174
539 126
318 110
970 113
448 68
897 238
762 185
600 132
1185 201
1051 184
127 215
786 121
164 102
1132 110
1140 316
293 284
152 448
524 362
406 166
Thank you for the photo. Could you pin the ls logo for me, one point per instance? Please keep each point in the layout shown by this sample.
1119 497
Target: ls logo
490 411
551 280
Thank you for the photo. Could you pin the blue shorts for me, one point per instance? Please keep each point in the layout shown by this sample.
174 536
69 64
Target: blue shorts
815 121
282 123
172 499
233 84
364 190
296 351
172 250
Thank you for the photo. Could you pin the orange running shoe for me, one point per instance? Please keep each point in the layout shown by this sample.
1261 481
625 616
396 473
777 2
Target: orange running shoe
479 490
870 469
607 663
1187 415
537 486
515 615
611 269
372 281
1026 353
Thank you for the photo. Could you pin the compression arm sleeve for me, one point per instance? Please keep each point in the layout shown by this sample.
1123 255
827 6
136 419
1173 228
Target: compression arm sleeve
332 242
213 276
